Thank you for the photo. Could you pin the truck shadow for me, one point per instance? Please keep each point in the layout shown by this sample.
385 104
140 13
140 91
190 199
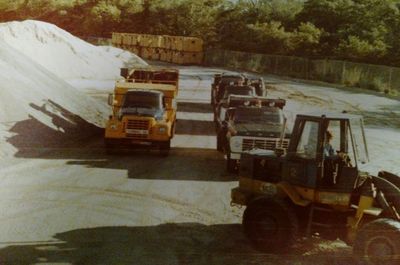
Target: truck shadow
195 107
72 138
181 243
193 127
182 164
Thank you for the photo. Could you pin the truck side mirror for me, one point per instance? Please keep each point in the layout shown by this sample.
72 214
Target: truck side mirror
124 72
110 100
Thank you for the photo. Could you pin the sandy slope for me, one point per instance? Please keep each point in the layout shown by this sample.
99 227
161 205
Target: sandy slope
64 54
38 64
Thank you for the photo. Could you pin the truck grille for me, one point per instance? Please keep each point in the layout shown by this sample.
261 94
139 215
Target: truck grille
266 144
138 129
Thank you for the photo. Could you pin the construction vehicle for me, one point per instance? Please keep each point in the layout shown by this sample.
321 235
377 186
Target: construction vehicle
222 80
239 90
253 127
222 116
143 109
304 191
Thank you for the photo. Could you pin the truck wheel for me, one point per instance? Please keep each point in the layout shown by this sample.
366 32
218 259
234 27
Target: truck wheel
164 148
270 224
231 164
220 144
109 146
378 243
173 130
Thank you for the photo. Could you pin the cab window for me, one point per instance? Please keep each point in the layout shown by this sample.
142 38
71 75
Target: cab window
307 146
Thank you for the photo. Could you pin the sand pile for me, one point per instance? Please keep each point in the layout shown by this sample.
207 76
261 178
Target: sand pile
64 54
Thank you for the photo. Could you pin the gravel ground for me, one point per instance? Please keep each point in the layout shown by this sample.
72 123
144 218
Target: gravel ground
65 201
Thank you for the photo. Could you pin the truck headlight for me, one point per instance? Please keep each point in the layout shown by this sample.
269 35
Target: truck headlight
162 130
113 127
236 144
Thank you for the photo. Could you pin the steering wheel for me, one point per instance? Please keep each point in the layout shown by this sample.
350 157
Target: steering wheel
344 158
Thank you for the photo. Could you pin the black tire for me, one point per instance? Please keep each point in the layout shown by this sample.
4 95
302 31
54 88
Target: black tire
270 224
109 147
212 95
164 148
173 129
231 164
220 142
378 243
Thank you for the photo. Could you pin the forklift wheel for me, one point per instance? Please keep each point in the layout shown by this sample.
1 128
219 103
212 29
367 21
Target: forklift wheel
270 224
378 243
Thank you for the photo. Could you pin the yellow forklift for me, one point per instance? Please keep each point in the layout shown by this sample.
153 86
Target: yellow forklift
317 187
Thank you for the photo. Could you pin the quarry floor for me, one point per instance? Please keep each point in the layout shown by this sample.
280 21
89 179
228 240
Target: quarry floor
74 204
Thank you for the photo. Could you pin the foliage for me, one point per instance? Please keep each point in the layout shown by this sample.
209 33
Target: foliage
359 30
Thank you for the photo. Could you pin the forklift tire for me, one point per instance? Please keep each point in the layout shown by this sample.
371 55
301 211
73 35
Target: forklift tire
270 224
231 164
378 243
164 148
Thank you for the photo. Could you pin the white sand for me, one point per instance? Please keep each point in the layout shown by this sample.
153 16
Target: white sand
42 70
64 54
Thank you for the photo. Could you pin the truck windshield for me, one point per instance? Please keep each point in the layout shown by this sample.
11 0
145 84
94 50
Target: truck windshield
142 100
242 91
258 115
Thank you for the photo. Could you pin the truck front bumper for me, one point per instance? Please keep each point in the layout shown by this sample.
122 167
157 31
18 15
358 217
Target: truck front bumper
235 156
132 143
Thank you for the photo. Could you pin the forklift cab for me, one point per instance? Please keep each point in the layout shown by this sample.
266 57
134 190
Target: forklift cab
310 165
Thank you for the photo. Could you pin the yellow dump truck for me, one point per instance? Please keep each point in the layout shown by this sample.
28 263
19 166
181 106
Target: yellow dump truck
143 109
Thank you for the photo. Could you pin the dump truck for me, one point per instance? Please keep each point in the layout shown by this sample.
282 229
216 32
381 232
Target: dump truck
229 91
222 80
253 127
306 190
143 110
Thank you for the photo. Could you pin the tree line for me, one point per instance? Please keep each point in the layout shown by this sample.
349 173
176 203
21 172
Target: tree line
356 30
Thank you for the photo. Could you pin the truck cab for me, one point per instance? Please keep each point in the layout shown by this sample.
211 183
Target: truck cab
254 127
221 81
143 110
240 90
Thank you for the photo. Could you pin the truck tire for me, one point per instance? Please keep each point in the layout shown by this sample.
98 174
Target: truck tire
164 148
109 147
378 243
270 224
220 142
231 164
173 129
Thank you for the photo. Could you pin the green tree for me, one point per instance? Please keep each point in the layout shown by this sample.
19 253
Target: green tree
304 41
356 49
104 17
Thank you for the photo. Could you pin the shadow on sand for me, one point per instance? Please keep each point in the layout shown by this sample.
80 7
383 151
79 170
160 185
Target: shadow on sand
183 243
82 144
71 130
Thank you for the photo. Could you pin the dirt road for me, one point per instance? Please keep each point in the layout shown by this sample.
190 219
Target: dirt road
64 201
